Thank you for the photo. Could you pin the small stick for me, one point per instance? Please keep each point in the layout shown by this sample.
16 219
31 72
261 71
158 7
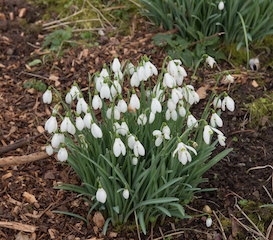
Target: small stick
23 159
220 224
205 39
269 230
18 226
138 234
160 230
268 193
66 23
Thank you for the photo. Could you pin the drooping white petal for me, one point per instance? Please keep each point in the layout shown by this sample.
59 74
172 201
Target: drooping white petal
131 141
215 120
134 102
122 106
101 195
105 91
116 65
96 131
221 139
125 193
88 120
151 117
96 102
55 141
62 154
139 149
49 150
156 106
47 96
207 133
142 119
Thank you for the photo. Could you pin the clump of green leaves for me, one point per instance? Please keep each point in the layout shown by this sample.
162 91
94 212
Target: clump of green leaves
189 53
38 85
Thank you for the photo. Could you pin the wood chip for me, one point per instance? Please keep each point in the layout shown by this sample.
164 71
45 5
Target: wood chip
255 84
29 197
40 129
18 226
6 176
53 77
22 12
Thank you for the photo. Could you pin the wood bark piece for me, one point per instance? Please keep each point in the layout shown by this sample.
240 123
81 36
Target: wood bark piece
18 144
23 159
18 226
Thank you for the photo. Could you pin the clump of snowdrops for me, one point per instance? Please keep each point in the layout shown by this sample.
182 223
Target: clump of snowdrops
145 153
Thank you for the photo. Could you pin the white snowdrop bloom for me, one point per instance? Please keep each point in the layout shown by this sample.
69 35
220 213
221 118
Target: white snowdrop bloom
134 102
72 94
79 123
229 78
142 119
168 81
134 161
176 95
151 117
121 129
47 96
210 61
156 106
139 149
130 68
116 113
172 68
215 120
181 74
161 135
183 155
195 97
217 102
122 105
221 5
221 139
119 147
160 95
105 91
177 61
150 69
131 141
55 141
171 105
118 75
104 73
135 80
49 150
101 195
191 121
61 137
96 131
99 82
81 106
171 114
141 73
62 154
56 108
126 193
96 102
116 88
181 109
209 220
208 131
167 132
229 103
67 126
68 98
187 92
83 143
88 120
51 124
116 65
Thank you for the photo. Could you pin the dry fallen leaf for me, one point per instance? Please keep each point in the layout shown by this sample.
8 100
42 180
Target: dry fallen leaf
40 129
21 236
202 91
255 84
98 219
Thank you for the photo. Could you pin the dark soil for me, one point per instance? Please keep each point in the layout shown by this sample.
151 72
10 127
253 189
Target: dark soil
22 114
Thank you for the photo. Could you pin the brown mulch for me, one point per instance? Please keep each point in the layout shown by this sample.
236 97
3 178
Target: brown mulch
27 196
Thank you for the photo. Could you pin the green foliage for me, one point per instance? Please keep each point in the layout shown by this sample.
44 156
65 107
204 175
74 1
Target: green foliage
40 86
35 62
178 47
191 16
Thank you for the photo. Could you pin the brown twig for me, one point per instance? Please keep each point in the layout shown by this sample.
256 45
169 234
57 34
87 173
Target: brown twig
205 39
242 131
18 144
220 224
18 226
138 233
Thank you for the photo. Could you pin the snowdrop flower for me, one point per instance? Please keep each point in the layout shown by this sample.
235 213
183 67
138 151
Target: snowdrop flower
119 147
101 195
209 220
150 69
215 120
175 70
84 145
181 74
99 82
49 150
221 140
210 61
135 80
105 91
118 75
189 94
81 105
131 141
151 117
104 73
72 94
221 5
134 101
141 73
183 155
172 69
47 96
96 102
155 105
171 105
191 121
142 119
229 103
168 81
67 126
79 123
125 193
176 95
139 149
161 135
116 113
62 154
217 102
229 78
121 129
95 130
116 65
159 93
56 140
56 108
208 131
181 109
51 124
171 114
130 68
122 105
134 161
88 119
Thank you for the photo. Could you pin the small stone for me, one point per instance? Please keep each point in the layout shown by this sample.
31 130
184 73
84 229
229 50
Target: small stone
10 51
256 194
